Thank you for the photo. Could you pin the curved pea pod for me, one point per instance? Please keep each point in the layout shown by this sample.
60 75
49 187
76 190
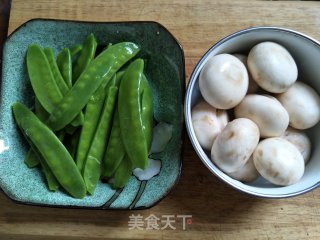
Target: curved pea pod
130 115
123 173
64 63
115 150
42 80
75 49
98 73
87 54
71 143
118 78
51 149
147 110
92 116
52 182
63 87
31 160
92 167
40 112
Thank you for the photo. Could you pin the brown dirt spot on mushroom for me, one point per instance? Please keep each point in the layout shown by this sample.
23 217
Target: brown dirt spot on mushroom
260 152
207 119
231 135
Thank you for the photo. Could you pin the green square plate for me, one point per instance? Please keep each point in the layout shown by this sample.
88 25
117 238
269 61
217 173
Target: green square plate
165 69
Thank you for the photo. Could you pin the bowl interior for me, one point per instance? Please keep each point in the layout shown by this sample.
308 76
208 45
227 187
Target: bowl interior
306 53
165 72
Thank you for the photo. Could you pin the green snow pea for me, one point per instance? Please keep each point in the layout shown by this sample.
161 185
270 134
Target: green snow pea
147 110
123 173
75 49
71 143
51 149
98 73
63 87
40 112
42 80
64 63
130 115
115 152
31 159
92 167
91 119
113 164
86 56
52 182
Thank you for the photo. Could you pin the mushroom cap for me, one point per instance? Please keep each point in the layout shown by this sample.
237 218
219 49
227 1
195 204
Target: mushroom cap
207 123
223 81
235 144
300 140
247 173
272 67
253 86
266 111
303 105
278 161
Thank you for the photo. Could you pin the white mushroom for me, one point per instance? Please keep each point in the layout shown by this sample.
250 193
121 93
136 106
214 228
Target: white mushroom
253 86
278 161
223 81
247 173
303 105
207 122
272 67
266 111
235 144
300 140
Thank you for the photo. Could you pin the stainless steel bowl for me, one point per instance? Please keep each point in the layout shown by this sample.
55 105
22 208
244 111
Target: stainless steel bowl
306 52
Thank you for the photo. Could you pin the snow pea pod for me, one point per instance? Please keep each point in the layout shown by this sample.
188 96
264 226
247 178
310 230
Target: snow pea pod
98 73
147 110
64 63
87 54
92 167
75 49
52 182
42 80
130 115
63 87
71 143
31 159
40 112
91 119
123 173
115 152
51 149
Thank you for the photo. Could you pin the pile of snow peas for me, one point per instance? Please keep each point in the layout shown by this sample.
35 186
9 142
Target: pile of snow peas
92 118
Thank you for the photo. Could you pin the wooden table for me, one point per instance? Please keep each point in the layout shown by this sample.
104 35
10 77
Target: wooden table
218 212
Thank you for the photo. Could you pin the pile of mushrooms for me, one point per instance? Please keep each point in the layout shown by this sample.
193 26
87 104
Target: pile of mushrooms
269 109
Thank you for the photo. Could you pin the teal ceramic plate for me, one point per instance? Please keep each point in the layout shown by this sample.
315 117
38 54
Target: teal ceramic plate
165 70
